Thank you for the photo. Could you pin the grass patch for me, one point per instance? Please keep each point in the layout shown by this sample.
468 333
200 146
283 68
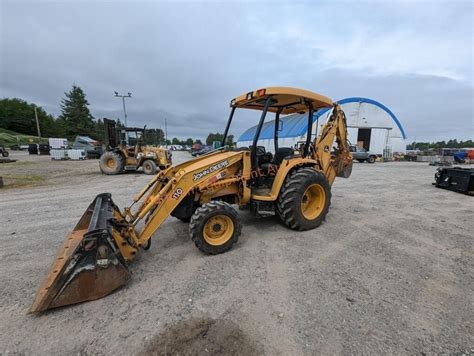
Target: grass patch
21 163
9 138
22 180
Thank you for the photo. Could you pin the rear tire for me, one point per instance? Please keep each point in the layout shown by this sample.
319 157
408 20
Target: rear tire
361 160
371 159
5 153
111 163
149 167
304 199
215 227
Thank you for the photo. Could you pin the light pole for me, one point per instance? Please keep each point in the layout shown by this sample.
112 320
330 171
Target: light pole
166 133
129 95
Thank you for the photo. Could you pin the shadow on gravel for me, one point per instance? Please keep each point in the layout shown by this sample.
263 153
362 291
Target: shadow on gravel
198 336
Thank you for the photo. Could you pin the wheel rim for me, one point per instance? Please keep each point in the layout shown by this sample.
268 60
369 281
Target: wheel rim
312 202
110 163
218 230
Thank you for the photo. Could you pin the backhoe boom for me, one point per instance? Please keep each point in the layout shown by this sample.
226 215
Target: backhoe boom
338 162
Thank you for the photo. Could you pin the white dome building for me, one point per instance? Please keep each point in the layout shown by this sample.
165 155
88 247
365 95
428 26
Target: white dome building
370 125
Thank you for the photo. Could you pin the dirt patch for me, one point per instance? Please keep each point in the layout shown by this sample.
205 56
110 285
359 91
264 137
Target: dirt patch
197 336
389 272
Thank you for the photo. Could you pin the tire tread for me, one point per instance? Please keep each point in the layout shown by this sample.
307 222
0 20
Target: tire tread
198 218
285 203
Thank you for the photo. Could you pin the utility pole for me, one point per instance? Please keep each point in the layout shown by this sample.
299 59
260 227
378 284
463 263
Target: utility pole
38 126
129 95
166 133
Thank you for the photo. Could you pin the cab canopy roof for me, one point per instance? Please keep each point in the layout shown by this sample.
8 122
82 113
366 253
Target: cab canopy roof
290 100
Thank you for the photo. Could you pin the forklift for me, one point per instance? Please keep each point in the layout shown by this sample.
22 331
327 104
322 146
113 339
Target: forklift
119 156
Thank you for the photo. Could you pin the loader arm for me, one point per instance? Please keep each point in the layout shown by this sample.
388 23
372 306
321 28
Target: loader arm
336 163
94 258
164 193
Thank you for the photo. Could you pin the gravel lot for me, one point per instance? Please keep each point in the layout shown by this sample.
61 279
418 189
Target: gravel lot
390 271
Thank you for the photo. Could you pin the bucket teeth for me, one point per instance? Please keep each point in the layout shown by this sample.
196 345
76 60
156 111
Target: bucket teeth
89 265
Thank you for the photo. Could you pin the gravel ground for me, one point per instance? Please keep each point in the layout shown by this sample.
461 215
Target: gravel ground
390 271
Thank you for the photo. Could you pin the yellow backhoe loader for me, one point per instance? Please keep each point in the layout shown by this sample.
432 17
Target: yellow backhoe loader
293 184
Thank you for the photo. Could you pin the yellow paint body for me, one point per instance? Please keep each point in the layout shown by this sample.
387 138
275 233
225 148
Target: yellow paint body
225 173
165 191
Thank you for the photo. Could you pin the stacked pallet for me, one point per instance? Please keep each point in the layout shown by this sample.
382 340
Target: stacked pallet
70 154
58 148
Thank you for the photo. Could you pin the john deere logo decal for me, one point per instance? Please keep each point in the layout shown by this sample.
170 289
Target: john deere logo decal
211 169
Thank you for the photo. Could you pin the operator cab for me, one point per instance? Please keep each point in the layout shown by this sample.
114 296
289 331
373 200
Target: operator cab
280 101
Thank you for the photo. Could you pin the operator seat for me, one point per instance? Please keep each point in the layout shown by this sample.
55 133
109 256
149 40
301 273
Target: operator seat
280 154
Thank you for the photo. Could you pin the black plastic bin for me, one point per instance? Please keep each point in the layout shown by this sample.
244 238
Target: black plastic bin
456 179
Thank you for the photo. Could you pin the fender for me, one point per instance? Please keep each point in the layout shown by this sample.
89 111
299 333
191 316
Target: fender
283 170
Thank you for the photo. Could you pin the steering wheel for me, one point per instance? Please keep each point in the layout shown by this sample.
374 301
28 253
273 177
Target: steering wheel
260 150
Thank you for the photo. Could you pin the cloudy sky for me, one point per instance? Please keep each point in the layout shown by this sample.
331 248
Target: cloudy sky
184 61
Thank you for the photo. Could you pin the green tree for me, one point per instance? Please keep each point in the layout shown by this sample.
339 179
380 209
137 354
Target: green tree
189 142
229 141
154 137
218 137
75 115
454 143
213 137
99 131
18 115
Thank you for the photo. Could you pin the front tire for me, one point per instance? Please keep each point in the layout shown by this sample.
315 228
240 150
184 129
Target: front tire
5 153
149 167
215 227
371 159
304 199
111 163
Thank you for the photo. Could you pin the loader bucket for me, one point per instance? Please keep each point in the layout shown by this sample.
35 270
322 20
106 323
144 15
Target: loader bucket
89 265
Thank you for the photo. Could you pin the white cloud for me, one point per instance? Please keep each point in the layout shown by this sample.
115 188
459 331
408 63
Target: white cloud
428 38
190 59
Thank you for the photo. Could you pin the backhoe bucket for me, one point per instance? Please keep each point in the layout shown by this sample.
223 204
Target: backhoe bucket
89 265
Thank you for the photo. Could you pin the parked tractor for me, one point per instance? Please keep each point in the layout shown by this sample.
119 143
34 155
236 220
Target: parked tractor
3 152
120 156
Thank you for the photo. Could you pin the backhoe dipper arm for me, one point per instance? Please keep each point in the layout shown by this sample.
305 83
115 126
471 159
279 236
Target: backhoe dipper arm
338 163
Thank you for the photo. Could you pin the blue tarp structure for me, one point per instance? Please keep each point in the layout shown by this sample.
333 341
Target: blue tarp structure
293 126
296 125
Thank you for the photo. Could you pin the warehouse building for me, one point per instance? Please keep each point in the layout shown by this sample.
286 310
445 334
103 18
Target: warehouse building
371 125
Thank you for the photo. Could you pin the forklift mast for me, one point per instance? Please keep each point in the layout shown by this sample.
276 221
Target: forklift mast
112 139
113 134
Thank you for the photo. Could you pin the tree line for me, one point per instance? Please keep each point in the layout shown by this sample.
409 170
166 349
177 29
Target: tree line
211 138
422 146
75 119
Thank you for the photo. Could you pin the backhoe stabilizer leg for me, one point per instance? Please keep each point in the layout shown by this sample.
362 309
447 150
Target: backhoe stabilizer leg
89 265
